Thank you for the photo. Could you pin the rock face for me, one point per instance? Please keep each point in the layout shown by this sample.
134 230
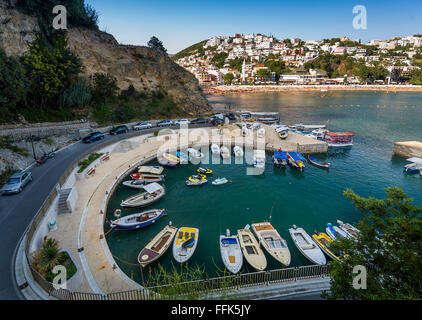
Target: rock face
144 68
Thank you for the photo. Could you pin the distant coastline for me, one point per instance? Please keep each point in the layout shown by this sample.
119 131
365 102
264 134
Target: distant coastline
223 90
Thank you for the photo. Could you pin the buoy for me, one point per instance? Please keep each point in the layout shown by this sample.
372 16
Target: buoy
117 213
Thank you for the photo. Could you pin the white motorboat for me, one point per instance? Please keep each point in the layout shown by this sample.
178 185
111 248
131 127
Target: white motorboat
307 246
231 253
185 244
414 165
271 240
156 170
238 152
349 229
193 153
335 232
259 158
220 181
215 149
225 152
135 184
153 192
251 250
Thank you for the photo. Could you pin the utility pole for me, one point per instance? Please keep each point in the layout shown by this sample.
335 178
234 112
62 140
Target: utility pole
32 144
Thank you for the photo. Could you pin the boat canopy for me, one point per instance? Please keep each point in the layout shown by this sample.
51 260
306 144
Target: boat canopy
415 160
280 155
339 134
297 156
228 241
152 187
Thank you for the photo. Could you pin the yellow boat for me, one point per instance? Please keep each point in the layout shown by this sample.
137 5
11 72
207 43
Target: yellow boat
204 171
185 243
324 241
196 180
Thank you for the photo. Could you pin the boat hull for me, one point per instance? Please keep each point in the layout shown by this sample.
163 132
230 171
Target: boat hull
121 226
231 253
180 253
251 250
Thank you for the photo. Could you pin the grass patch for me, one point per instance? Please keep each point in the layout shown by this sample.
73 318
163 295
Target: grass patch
64 260
85 163
48 141
6 143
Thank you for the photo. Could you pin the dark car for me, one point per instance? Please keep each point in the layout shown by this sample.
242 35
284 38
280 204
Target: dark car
119 130
231 116
95 136
200 121
17 182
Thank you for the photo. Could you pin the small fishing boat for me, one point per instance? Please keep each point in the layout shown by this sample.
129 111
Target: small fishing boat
231 253
251 250
157 170
185 243
415 165
335 232
157 246
318 163
193 153
349 229
225 152
323 241
307 246
259 158
204 171
170 157
271 240
147 177
138 220
220 181
296 160
215 150
153 193
280 159
283 134
196 180
238 152
135 184
167 163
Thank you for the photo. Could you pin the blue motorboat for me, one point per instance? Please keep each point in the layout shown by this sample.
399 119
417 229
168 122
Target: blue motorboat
318 163
280 159
296 160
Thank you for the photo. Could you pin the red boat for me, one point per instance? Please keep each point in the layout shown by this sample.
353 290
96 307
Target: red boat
147 177
339 139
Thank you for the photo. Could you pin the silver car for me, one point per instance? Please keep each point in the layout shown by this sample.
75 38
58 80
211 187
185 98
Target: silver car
16 183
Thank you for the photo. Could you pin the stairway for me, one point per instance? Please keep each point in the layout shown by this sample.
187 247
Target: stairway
64 195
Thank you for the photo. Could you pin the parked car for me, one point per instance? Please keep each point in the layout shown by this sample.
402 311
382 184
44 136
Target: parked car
181 122
200 121
95 136
231 116
165 123
142 125
119 130
16 183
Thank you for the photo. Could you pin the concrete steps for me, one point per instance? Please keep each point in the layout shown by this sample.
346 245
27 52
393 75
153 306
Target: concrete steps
63 206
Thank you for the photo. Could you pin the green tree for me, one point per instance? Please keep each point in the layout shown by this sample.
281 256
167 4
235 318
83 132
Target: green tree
77 94
104 87
389 245
264 73
155 43
219 59
13 85
228 78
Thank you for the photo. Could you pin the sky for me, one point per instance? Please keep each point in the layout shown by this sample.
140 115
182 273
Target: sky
179 24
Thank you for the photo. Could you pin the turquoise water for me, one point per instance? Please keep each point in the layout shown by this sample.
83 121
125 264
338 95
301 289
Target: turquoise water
285 196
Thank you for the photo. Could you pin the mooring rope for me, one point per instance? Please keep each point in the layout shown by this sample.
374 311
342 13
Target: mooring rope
126 262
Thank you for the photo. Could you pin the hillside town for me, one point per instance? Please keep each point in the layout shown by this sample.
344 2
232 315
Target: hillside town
257 59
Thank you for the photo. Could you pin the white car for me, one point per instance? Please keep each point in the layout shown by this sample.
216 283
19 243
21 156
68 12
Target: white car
181 122
142 125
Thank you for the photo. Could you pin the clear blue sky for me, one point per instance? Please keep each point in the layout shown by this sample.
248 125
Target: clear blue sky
182 23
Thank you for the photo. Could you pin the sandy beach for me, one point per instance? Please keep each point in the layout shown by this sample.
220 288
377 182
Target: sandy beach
222 90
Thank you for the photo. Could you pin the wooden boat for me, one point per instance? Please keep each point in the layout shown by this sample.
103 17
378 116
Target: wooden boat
231 253
147 177
157 246
220 181
170 157
196 180
349 229
215 149
153 193
138 220
323 241
225 152
271 240
251 249
167 163
185 243
204 171
280 159
318 163
283 134
157 170
335 232
296 160
238 152
307 246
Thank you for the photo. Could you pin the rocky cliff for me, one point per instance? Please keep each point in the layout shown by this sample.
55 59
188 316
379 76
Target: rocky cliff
144 68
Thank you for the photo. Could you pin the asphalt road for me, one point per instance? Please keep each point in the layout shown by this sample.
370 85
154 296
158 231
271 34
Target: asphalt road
17 211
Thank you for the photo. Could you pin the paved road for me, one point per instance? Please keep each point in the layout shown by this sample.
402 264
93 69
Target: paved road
17 211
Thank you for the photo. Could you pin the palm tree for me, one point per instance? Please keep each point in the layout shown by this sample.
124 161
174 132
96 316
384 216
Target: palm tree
50 254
